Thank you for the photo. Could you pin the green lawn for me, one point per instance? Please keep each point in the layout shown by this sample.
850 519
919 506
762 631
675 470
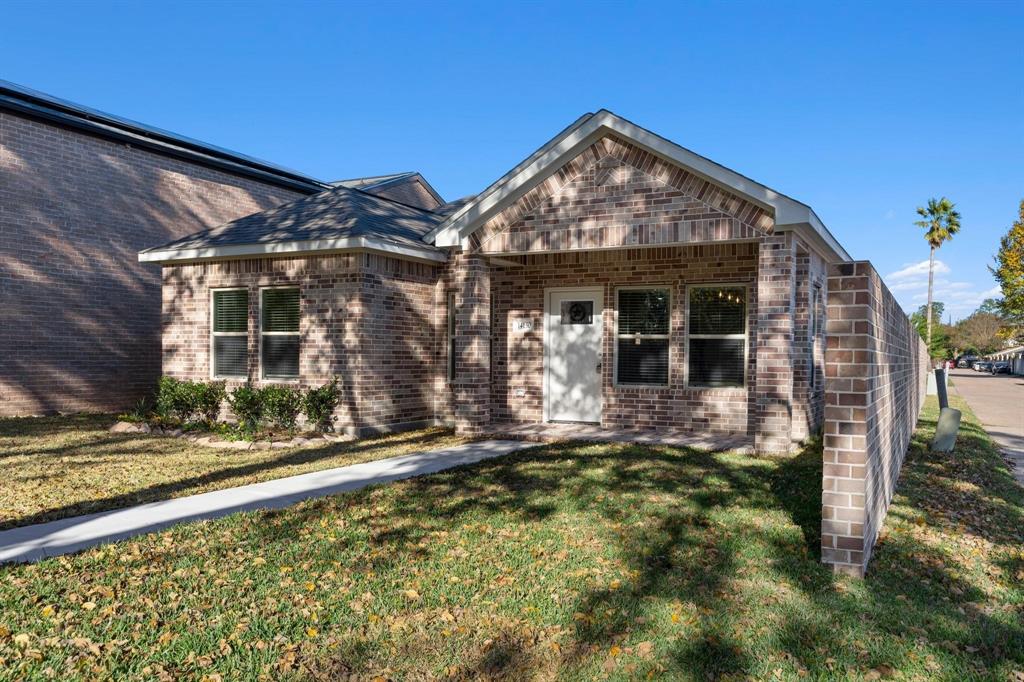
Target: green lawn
573 561
55 467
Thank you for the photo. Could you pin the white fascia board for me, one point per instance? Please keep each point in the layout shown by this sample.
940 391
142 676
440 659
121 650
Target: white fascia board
293 248
553 147
548 159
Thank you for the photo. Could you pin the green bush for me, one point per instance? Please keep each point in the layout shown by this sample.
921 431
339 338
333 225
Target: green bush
318 405
188 401
281 405
206 399
173 400
247 404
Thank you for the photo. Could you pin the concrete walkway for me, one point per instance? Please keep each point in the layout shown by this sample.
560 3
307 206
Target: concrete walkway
32 543
999 403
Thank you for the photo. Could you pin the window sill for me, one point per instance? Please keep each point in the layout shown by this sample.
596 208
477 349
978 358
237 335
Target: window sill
642 387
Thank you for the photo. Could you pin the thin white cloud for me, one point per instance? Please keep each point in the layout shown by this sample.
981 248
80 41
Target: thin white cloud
910 284
912 272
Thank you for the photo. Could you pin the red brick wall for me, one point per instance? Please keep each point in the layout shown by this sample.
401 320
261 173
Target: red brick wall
366 319
79 315
876 367
615 195
517 358
809 345
776 327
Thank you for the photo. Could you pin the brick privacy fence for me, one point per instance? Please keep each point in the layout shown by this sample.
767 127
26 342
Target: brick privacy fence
876 368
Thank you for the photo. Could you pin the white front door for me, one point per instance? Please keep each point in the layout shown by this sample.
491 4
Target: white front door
572 348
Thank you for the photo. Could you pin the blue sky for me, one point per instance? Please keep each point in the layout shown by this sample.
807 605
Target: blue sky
862 110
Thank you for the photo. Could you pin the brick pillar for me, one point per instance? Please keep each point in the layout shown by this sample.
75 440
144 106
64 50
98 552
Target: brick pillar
849 362
776 291
472 384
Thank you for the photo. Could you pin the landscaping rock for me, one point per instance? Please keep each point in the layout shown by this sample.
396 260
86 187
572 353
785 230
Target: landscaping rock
129 427
261 445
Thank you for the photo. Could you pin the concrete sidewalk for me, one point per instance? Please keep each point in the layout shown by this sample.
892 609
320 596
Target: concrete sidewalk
32 543
998 400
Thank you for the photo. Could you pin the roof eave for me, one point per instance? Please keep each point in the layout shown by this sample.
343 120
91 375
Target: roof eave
171 256
40 106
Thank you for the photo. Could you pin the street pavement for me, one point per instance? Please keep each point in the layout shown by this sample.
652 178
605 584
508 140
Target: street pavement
998 400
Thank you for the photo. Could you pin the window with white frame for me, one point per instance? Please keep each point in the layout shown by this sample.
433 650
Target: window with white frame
717 336
279 333
230 332
642 337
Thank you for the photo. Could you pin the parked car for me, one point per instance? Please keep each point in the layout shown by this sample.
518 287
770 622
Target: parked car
982 366
1000 367
966 361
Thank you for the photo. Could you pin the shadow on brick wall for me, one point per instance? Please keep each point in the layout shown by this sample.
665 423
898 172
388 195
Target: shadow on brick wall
79 315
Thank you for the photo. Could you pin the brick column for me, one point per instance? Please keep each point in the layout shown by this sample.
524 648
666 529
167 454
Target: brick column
776 291
472 384
848 363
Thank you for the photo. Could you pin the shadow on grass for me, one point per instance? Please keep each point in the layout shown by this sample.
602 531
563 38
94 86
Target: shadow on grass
129 443
736 541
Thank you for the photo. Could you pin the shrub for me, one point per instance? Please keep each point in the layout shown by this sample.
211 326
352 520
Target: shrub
173 399
318 405
189 400
247 404
281 405
206 399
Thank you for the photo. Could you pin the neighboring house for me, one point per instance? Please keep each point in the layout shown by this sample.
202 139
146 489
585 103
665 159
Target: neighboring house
612 277
81 191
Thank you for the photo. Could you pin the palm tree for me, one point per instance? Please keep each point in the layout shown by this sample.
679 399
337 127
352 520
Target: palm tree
940 221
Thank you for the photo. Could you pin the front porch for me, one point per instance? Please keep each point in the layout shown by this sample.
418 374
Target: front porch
710 345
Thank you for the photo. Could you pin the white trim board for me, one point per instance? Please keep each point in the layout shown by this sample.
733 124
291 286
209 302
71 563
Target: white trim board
788 212
425 253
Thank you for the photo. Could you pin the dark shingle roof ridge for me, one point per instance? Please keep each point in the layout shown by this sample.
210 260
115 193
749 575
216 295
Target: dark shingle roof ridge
373 180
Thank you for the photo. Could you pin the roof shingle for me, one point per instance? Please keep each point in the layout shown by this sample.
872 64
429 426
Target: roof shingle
335 213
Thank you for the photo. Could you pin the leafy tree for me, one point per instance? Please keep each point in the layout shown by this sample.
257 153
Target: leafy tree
940 346
940 221
1009 272
979 333
991 305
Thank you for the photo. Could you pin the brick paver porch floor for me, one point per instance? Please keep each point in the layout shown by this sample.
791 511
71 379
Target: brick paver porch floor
551 432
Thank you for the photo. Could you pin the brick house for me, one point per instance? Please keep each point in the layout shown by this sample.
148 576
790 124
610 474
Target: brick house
613 277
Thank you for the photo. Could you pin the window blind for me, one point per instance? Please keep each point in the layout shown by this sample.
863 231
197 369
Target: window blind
231 333
717 333
279 337
642 337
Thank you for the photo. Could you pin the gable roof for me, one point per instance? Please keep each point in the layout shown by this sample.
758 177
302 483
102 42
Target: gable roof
789 214
336 219
38 105
385 185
